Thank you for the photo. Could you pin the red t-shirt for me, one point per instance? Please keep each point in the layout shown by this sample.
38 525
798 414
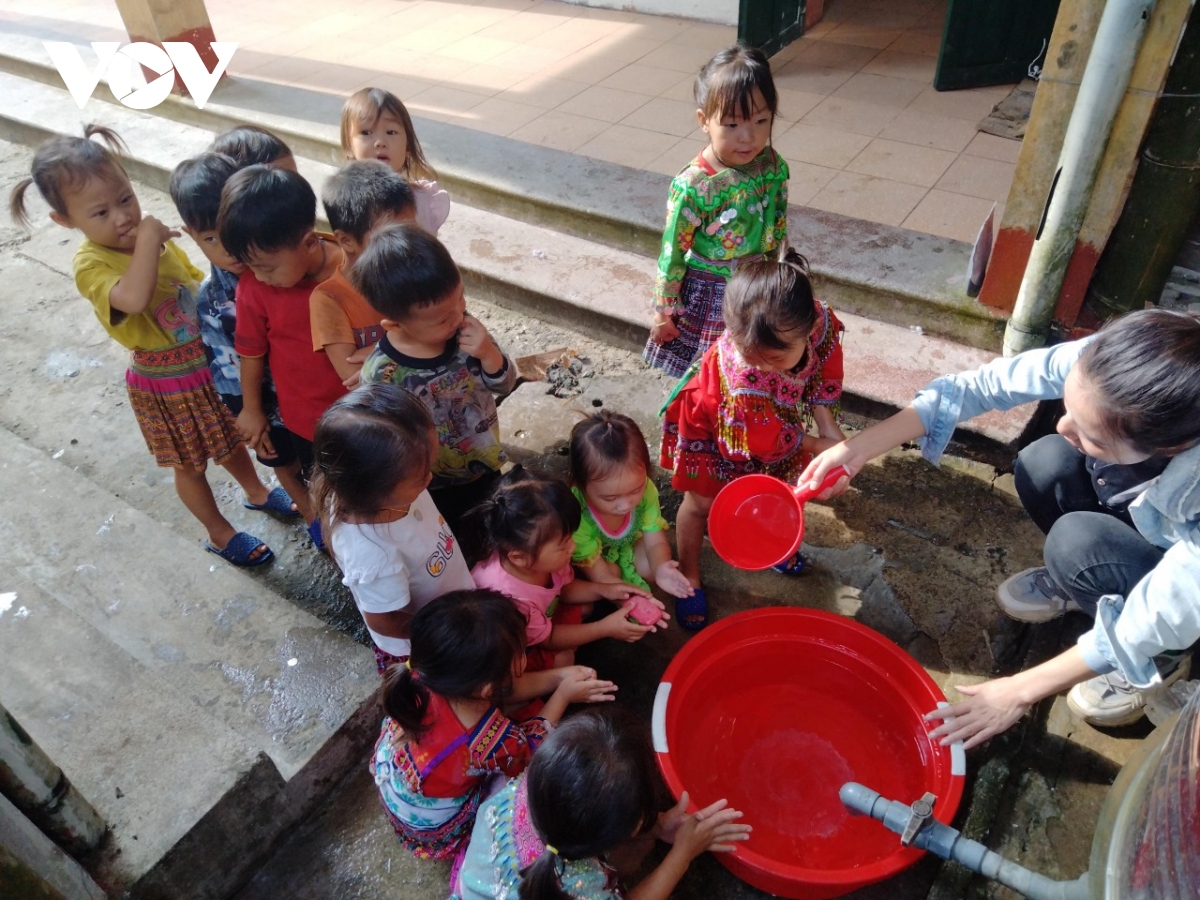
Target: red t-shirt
275 322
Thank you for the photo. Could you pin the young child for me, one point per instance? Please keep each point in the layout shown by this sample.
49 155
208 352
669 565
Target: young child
196 190
358 198
622 534
773 374
445 356
728 206
528 526
375 125
374 450
1117 494
445 737
590 788
249 145
267 222
143 290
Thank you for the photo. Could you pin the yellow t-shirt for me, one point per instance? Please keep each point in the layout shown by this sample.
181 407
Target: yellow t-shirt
169 320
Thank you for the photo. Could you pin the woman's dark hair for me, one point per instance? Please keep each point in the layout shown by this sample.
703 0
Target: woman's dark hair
250 145
769 302
264 209
1145 370
524 513
462 642
64 164
591 785
366 443
364 107
604 442
726 83
403 269
196 186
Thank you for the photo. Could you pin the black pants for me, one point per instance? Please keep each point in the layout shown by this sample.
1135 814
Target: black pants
1091 550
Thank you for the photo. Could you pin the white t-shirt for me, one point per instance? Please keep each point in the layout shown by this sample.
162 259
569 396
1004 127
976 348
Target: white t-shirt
400 564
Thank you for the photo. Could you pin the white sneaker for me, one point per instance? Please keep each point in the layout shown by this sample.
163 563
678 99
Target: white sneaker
1031 596
1109 700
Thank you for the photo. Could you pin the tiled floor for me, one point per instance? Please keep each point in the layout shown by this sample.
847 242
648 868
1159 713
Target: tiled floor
859 122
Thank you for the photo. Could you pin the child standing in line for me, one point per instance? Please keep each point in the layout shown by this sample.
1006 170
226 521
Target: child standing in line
774 374
360 197
622 534
143 290
590 788
374 450
376 125
196 190
445 737
267 221
728 206
528 526
445 356
250 145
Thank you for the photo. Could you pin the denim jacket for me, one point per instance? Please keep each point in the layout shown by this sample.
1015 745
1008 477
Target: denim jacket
1162 611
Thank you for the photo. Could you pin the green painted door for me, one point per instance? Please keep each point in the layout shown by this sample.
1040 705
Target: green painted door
992 41
770 25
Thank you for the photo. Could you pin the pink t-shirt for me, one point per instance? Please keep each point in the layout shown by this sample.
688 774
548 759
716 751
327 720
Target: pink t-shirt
536 602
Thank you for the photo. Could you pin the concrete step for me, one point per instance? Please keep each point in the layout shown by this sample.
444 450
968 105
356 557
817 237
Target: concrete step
201 713
557 277
882 272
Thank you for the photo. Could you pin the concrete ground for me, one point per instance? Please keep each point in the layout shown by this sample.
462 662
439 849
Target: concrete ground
913 551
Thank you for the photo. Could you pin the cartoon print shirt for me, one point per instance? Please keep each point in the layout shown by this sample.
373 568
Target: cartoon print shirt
459 396
400 565
169 320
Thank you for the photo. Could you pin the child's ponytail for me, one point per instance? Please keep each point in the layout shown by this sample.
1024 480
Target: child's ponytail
523 514
542 879
63 163
404 698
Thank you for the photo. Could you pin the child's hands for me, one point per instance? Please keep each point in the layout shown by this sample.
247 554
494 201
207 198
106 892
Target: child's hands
256 431
475 341
580 685
664 329
617 591
357 358
618 626
668 577
713 828
151 230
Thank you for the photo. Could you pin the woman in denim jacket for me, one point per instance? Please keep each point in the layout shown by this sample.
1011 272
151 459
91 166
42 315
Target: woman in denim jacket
1117 491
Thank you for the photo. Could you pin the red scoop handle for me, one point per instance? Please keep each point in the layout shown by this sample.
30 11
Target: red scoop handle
804 494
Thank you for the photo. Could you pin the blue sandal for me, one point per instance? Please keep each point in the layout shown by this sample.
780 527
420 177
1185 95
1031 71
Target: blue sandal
692 612
278 503
314 532
239 549
793 565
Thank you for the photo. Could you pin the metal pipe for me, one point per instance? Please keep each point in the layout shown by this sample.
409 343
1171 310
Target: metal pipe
948 843
1105 78
37 787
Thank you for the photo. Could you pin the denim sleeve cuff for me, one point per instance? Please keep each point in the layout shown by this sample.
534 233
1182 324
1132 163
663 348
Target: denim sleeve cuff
1101 645
1089 649
939 406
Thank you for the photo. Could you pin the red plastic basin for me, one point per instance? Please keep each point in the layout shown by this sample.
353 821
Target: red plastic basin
775 709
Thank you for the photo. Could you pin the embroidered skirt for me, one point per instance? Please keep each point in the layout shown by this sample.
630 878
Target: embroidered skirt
177 406
701 322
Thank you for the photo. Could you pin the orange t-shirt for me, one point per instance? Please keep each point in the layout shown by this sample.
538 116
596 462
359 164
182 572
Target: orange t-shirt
341 315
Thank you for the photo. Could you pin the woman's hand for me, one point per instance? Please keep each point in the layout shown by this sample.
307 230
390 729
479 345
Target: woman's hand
990 709
842 454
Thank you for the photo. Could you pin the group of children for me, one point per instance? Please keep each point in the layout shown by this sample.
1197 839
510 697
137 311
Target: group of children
349 364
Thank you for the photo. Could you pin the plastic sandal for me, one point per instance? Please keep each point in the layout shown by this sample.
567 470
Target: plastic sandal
793 565
692 612
239 548
278 503
314 532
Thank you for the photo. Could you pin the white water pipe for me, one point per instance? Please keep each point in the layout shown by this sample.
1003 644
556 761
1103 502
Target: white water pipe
1105 78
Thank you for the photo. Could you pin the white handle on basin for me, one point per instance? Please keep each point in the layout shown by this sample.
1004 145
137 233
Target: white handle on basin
658 720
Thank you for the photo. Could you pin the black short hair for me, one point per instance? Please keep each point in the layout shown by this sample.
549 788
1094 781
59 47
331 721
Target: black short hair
196 188
360 193
265 209
404 268
250 145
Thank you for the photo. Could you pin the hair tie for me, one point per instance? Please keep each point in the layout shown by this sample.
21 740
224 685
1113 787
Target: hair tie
408 664
552 849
